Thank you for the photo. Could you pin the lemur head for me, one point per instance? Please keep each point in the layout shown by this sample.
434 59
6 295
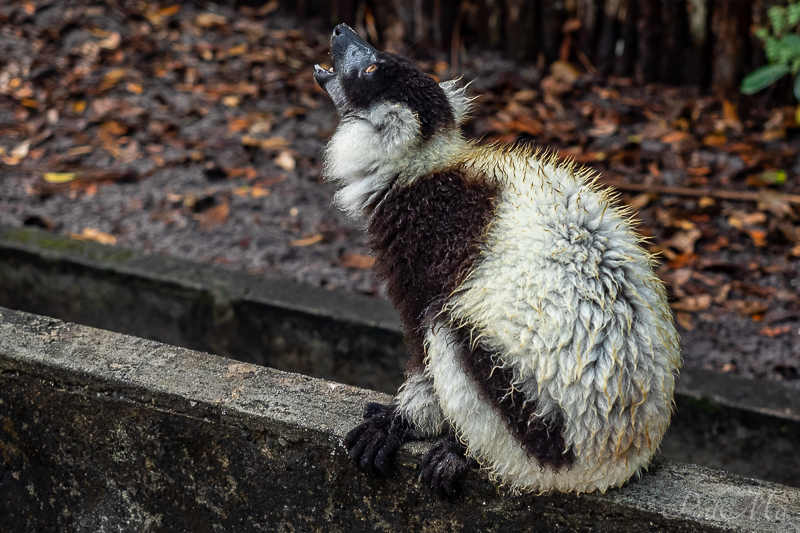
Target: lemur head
363 78
396 121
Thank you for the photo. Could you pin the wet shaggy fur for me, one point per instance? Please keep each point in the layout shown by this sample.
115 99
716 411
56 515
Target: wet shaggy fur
542 344
426 237
541 438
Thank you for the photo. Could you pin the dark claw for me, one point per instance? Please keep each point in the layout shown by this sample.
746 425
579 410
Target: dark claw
373 409
371 444
443 467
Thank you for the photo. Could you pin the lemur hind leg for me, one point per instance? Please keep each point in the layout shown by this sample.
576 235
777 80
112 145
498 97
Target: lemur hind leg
444 465
372 443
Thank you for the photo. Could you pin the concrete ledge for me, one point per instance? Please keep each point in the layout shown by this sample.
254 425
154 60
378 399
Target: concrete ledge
743 426
272 322
104 432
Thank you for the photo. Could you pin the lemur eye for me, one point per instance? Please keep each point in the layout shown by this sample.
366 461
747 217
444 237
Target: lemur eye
370 69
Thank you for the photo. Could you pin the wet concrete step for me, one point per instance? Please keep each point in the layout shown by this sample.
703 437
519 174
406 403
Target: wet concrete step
106 432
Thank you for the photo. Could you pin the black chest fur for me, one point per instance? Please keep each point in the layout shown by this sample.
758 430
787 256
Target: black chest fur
426 238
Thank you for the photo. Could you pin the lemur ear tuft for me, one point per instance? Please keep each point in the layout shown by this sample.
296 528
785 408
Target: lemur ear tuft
457 96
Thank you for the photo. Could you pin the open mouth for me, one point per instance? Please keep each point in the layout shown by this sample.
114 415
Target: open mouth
349 53
322 75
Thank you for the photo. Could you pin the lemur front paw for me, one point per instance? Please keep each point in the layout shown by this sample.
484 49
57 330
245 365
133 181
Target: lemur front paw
444 465
372 443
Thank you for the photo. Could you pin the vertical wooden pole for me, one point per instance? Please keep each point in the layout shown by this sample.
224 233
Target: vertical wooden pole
587 12
521 30
730 19
625 51
674 42
698 72
649 42
552 21
609 28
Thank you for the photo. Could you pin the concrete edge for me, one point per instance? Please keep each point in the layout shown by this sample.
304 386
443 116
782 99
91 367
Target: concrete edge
102 367
189 275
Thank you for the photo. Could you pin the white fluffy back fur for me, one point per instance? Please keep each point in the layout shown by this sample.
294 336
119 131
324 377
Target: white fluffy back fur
568 300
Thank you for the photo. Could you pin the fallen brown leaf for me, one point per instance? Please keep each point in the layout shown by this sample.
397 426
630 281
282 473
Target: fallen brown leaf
740 219
685 320
22 150
527 125
357 261
698 171
285 160
759 237
308 241
722 294
273 143
564 72
640 201
675 137
705 201
214 216
752 308
604 129
232 100
773 135
209 20
156 17
91 234
113 77
111 42
692 303
238 124
775 203
294 111
247 173
684 241
715 140
774 332
134 88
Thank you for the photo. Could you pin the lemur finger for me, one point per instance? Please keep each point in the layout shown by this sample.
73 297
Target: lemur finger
383 460
372 409
354 441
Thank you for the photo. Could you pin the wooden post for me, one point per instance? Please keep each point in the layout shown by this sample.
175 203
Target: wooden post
649 28
626 51
698 72
674 59
587 13
520 34
609 31
730 20
552 22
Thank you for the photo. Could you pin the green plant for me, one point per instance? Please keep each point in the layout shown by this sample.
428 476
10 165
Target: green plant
782 47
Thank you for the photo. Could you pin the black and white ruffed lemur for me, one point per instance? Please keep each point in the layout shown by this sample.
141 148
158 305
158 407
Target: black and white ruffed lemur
542 345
